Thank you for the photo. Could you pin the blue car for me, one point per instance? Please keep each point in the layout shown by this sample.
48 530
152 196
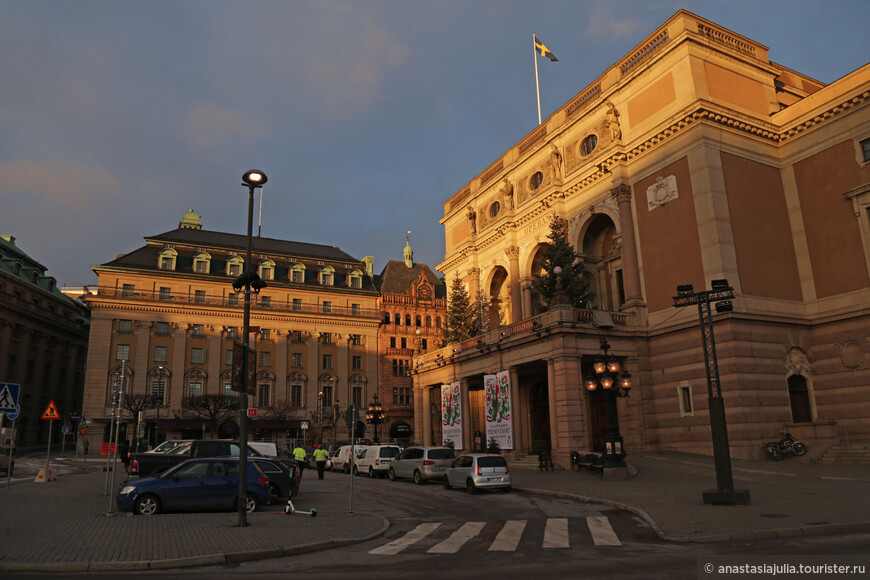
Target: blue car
198 484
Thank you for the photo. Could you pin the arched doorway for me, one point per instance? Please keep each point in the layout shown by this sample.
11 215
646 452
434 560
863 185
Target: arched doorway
401 433
537 269
499 299
539 416
799 397
602 254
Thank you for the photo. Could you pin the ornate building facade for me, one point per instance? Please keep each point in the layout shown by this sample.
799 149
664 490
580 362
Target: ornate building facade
413 308
43 344
694 158
169 310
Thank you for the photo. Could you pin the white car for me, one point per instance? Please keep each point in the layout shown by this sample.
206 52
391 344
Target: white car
375 460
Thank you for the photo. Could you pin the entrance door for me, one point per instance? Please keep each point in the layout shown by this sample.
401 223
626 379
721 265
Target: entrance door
597 422
799 397
477 421
539 412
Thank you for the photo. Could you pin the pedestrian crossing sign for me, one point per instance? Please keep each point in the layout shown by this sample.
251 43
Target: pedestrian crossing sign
51 412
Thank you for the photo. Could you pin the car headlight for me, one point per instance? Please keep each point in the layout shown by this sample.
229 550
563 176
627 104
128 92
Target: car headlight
127 489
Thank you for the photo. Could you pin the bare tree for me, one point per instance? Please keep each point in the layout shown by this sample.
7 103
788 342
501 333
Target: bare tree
213 409
136 404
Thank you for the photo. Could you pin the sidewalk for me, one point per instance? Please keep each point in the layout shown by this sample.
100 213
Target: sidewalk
62 525
787 498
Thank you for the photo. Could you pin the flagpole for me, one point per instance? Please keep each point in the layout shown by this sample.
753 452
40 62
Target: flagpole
537 87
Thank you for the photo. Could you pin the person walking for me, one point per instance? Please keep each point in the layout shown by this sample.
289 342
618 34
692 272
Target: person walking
124 453
320 455
299 456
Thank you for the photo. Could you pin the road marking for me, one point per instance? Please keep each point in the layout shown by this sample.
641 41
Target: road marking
509 536
602 532
457 539
408 539
556 533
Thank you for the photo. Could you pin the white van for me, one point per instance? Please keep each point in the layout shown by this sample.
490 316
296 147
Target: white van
375 460
341 459
264 449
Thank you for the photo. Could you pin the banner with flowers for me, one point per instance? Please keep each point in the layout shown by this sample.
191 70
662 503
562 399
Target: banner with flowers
451 414
497 399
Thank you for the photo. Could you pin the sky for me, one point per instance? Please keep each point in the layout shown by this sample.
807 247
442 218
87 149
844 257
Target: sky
119 116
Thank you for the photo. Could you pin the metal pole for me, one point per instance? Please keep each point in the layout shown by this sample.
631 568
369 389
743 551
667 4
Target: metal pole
114 452
115 391
243 399
11 444
48 452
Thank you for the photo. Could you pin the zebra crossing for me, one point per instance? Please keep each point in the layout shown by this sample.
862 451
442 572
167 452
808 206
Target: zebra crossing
556 535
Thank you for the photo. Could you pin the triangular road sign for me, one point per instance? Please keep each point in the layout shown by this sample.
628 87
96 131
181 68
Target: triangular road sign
51 412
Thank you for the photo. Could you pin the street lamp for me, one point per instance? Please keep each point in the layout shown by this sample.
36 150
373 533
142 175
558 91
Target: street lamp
250 281
721 293
375 416
158 399
606 380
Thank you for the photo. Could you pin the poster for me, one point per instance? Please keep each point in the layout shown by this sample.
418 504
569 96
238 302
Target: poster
451 414
497 399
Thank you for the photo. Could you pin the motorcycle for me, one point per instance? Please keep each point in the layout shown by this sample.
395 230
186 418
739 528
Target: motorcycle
788 445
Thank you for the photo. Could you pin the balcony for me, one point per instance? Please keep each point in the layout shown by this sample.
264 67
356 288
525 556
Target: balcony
226 302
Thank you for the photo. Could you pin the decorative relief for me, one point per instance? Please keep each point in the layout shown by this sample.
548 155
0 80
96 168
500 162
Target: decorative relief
507 193
472 219
852 353
796 363
663 191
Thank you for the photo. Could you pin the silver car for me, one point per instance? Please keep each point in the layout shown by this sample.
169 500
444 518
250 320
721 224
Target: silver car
421 463
478 471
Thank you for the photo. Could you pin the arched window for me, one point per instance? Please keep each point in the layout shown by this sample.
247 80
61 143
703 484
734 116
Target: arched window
428 322
386 317
397 318
437 322
166 259
418 321
234 266
266 270
265 388
297 273
327 276
202 263
194 386
296 389
326 385
354 279
407 320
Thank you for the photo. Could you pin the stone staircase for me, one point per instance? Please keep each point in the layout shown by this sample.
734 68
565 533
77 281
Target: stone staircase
524 462
846 455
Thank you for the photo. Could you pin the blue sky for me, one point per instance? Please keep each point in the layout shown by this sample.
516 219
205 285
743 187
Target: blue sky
119 116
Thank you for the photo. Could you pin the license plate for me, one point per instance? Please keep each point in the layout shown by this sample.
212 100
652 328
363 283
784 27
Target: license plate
495 479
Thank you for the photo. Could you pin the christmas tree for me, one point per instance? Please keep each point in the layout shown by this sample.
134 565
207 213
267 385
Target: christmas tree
571 286
460 323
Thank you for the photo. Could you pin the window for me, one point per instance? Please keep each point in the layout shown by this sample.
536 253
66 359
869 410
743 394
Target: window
197 356
296 395
684 392
404 342
158 390
166 260
354 279
166 263
234 266
122 352
401 396
165 293
265 302
494 209
397 319
536 181
199 296
232 332
127 290
297 304
355 339
265 359
228 359
162 329
428 322
263 396
229 395
327 395
297 336
125 326
326 337
358 397
418 321
296 360
159 354
424 344
392 342
265 333
297 273
356 364
865 149
326 276
233 300
194 390
401 368
354 310
588 145
407 320
201 262
386 317
327 306
197 330
327 361
267 270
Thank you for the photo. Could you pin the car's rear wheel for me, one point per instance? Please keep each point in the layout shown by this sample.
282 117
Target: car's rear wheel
446 483
274 493
469 485
355 470
147 505
418 477
371 473
392 475
251 503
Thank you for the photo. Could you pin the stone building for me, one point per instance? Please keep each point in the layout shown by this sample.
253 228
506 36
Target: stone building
43 345
169 309
413 306
694 158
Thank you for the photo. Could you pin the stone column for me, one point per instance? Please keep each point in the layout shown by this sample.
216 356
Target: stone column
426 412
630 269
473 283
513 254
526 289
516 428
551 400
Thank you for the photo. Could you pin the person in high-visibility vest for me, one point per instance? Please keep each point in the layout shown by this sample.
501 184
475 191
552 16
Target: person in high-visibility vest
299 456
320 455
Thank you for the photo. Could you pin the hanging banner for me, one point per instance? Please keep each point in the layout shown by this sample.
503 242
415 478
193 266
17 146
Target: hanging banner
451 414
497 393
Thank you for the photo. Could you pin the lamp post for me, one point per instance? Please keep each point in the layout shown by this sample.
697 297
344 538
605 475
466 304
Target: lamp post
606 380
722 294
375 416
250 281
158 399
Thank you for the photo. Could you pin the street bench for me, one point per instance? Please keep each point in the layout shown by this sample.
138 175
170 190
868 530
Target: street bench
590 461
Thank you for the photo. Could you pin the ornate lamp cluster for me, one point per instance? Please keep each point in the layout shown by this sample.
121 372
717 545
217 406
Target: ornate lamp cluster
606 375
375 416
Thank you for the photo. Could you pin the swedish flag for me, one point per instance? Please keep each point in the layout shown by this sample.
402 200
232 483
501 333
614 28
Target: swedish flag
544 51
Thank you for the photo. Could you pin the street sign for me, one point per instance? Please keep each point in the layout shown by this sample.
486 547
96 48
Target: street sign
51 413
238 359
67 428
82 423
252 412
303 425
9 398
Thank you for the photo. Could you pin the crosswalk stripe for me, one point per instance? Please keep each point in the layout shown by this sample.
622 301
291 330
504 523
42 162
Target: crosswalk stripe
457 539
602 532
408 539
509 536
556 533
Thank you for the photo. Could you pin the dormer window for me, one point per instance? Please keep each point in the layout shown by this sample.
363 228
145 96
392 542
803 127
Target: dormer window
297 273
234 266
327 275
202 263
267 270
354 279
166 260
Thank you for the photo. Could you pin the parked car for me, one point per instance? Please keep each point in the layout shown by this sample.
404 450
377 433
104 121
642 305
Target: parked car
375 460
341 458
146 464
283 480
421 463
478 471
168 445
197 484
264 449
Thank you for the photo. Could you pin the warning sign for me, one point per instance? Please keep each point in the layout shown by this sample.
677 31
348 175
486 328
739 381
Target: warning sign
51 412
